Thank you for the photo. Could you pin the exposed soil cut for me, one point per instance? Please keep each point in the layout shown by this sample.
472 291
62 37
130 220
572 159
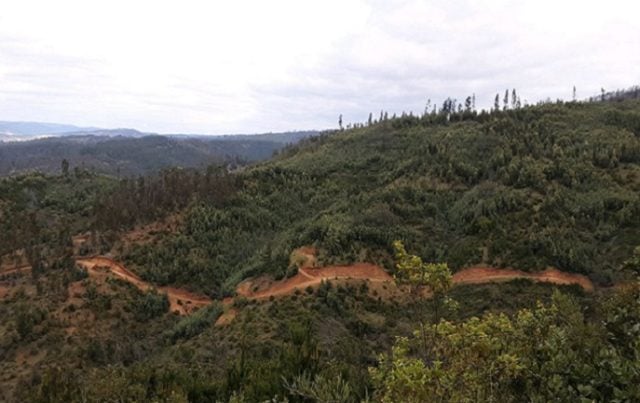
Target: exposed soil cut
304 257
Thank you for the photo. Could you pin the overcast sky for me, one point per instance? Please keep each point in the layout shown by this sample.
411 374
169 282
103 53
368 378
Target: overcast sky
255 66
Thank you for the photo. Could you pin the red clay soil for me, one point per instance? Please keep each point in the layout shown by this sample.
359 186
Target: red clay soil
304 257
184 302
479 275
79 240
226 317
262 287
4 291
181 301
311 277
20 269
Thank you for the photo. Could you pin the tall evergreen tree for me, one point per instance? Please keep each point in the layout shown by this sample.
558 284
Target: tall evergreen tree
467 104
427 107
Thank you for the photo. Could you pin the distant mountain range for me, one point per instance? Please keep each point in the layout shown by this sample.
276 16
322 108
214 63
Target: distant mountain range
32 146
21 131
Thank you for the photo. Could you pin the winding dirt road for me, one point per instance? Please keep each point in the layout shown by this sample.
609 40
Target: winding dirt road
185 302
480 275
263 288
181 301
311 277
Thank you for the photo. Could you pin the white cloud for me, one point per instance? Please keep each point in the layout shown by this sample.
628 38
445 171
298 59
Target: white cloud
247 66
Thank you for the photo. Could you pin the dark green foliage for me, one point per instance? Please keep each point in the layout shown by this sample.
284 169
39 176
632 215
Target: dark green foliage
155 196
115 153
27 317
195 324
150 304
40 213
552 185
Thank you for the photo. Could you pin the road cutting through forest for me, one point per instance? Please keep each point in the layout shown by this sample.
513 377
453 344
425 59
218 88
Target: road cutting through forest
185 302
180 301
262 288
308 276
480 275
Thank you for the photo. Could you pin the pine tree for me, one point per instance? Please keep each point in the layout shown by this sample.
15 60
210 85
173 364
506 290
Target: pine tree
496 103
506 100
427 107
467 104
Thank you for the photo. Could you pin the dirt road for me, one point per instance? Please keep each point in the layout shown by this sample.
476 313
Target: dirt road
181 301
185 302
480 275
262 288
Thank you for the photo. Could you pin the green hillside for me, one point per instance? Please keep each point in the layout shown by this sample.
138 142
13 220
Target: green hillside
549 185
554 185
128 153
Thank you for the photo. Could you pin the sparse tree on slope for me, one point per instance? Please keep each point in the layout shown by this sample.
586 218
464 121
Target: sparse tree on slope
506 100
423 279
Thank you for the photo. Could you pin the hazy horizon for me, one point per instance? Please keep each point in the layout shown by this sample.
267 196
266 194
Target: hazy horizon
257 67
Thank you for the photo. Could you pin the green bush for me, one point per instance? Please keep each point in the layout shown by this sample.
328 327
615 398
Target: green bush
196 323
150 305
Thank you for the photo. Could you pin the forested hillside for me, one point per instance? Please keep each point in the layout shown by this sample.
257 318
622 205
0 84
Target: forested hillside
130 153
556 184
